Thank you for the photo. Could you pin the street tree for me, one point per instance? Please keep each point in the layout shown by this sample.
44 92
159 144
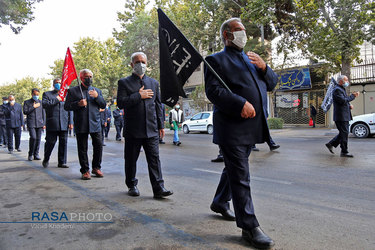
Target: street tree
328 30
21 89
102 58
16 13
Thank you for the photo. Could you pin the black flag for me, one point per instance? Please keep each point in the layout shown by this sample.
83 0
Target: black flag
178 60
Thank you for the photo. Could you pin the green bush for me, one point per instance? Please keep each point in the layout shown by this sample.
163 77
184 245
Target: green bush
275 123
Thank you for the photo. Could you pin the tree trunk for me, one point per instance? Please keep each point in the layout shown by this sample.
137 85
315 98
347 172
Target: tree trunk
345 68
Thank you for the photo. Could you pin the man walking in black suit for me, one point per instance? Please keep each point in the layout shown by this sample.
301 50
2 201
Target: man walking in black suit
58 122
85 101
14 121
342 115
108 115
3 130
118 115
139 96
36 122
243 114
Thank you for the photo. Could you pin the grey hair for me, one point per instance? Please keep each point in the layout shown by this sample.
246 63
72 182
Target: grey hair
10 96
84 71
340 78
225 27
139 53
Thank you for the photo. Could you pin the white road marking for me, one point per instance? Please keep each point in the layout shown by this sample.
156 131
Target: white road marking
252 177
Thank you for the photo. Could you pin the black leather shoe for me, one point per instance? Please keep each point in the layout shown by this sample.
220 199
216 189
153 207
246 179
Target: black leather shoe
274 147
330 147
253 148
133 191
257 238
218 159
227 214
62 166
163 193
161 142
45 164
36 157
346 155
10 152
19 150
30 158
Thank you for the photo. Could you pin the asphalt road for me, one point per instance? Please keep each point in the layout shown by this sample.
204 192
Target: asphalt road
304 197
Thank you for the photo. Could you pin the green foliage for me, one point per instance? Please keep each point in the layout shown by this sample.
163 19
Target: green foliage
22 88
275 123
16 13
325 30
102 58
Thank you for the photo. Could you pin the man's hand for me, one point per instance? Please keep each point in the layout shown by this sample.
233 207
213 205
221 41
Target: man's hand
172 126
356 93
257 60
93 93
105 124
161 133
36 105
82 103
351 106
248 110
44 127
59 98
146 93
70 126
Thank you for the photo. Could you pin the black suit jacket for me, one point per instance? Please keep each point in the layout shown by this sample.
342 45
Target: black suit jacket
119 119
2 115
13 115
247 82
143 117
35 116
86 119
341 104
57 118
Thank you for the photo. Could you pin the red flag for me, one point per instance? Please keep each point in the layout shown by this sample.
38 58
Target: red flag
68 75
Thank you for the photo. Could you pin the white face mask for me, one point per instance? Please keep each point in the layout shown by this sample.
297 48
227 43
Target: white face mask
139 68
240 38
12 102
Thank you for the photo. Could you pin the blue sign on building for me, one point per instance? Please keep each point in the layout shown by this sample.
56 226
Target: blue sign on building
295 79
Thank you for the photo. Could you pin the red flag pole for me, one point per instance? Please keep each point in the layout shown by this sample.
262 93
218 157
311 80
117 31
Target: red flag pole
68 75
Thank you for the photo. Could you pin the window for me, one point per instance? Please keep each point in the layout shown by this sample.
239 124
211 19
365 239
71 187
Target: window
205 115
197 116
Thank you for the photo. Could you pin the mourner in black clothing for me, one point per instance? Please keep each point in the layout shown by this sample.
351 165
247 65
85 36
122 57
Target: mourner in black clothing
139 96
58 122
85 101
118 115
109 120
103 123
342 115
242 112
35 117
3 130
14 121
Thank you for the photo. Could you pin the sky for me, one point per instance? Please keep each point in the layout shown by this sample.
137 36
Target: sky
58 24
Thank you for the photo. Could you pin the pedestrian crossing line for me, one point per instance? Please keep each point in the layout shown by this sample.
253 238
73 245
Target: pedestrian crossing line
252 177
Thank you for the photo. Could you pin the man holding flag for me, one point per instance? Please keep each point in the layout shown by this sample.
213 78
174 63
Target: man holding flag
58 121
240 111
85 101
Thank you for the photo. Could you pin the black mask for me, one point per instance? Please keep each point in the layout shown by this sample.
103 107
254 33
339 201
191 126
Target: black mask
88 81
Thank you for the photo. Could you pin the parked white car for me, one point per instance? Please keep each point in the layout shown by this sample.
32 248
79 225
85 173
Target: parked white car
201 122
362 126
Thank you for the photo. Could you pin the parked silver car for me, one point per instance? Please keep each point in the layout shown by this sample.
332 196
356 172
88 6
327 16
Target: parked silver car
200 122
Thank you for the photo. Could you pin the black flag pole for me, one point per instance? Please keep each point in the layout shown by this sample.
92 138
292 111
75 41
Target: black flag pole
217 76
